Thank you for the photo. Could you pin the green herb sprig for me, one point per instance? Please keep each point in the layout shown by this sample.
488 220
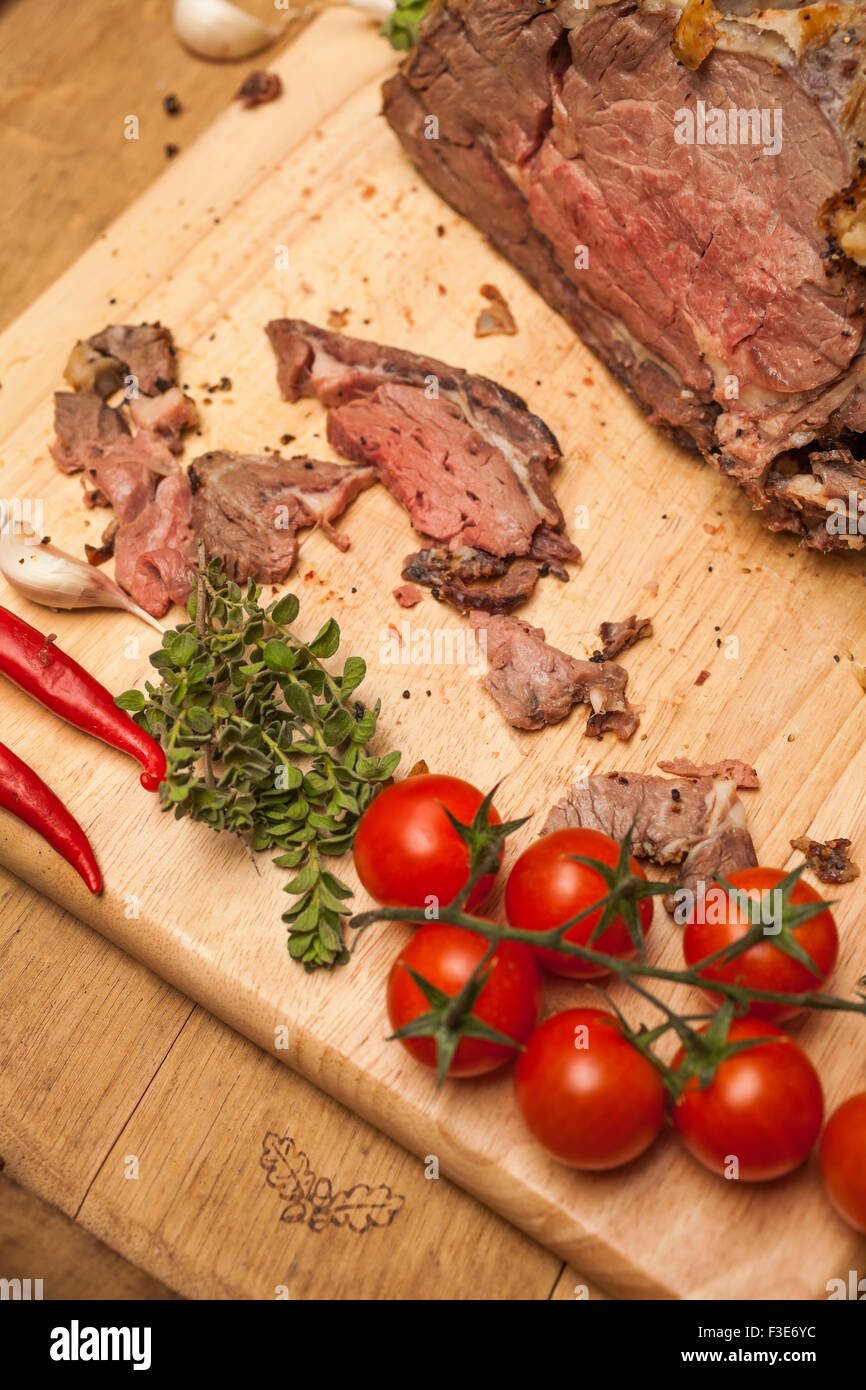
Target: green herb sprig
401 26
263 741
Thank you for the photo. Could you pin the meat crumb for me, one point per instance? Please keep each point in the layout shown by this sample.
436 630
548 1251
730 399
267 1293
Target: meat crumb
829 860
702 677
498 318
407 595
258 88
617 637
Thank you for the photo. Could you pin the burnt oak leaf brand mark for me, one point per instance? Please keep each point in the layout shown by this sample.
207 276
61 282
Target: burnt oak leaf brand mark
313 1201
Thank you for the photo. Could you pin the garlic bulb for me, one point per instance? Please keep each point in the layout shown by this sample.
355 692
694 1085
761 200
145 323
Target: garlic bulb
379 9
218 29
48 576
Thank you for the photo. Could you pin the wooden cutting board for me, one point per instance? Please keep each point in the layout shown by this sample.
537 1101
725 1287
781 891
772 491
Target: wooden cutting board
308 206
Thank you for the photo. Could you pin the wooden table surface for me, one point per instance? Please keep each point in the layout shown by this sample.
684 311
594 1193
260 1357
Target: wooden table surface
132 1123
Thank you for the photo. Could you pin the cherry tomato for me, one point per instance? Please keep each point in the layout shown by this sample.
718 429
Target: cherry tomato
763 1107
764 965
406 849
586 1093
843 1161
447 956
546 887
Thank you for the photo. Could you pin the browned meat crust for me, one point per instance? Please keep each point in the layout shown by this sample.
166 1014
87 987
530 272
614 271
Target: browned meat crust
830 860
618 637
470 578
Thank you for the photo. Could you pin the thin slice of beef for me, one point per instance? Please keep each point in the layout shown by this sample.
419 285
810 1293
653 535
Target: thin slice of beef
702 227
470 578
248 508
618 637
535 684
740 773
144 351
85 427
464 456
155 549
698 824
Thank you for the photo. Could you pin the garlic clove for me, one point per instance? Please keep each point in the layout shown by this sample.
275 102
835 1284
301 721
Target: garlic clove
50 577
218 29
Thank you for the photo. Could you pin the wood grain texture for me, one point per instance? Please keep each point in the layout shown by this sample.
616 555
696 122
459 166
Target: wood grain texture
102 1062
38 1242
324 178
69 76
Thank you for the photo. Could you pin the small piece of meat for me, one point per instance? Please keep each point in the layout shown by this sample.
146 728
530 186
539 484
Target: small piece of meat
144 351
248 508
698 824
498 318
618 637
408 595
535 684
465 457
259 88
469 578
162 577
829 860
99 554
740 773
90 370
166 415
155 550
85 427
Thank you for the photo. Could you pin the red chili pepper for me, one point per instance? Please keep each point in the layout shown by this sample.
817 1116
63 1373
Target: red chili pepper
25 794
38 667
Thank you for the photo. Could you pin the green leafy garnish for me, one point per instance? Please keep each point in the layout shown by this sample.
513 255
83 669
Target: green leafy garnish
401 27
263 741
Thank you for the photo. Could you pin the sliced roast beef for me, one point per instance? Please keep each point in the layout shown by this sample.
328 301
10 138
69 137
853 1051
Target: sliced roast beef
535 684
248 509
464 456
698 824
469 578
135 474
698 225
85 427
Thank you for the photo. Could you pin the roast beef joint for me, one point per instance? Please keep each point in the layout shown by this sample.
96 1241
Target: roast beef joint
688 188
